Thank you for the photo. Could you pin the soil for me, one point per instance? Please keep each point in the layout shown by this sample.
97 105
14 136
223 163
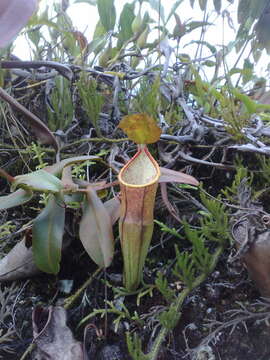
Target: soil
205 330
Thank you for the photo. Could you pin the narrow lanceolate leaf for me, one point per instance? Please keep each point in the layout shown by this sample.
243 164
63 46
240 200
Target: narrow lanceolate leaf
90 2
96 230
126 18
164 193
172 176
168 175
217 5
107 13
48 229
244 10
39 180
203 4
156 5
17 198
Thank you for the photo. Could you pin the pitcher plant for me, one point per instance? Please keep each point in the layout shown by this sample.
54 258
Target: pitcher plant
139 180
138 184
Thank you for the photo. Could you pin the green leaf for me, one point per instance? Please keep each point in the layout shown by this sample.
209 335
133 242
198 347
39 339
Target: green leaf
107 13
250 9
195 25
126 18
217 5
209 63
97 45
207 44
39 180
258 8
262 31
48 229
256 50
251 106
243 10
247 71
100 31
173 10
17 198
156 5
90 2
96 230
146 20
203 4
41 19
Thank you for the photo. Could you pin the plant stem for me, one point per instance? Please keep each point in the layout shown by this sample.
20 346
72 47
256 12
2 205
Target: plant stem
28 351
71 299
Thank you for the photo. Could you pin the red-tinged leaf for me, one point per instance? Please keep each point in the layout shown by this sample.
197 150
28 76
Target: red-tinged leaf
140 128
18 263
17 198
168 175
107 13
96 230
113 208
166 201
57 168
67 180
39 180
14 14
48 229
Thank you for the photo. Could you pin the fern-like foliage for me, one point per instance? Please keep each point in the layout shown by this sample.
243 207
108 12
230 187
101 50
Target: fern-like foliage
134 345
190 265
231 192
60 106
265 168
215 223
200 254
164 288
168 230
169 318
184 268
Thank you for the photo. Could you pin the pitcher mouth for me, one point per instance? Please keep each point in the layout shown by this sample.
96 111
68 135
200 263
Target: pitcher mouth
140 171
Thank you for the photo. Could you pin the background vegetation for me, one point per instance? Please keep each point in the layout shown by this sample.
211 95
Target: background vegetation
197 300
